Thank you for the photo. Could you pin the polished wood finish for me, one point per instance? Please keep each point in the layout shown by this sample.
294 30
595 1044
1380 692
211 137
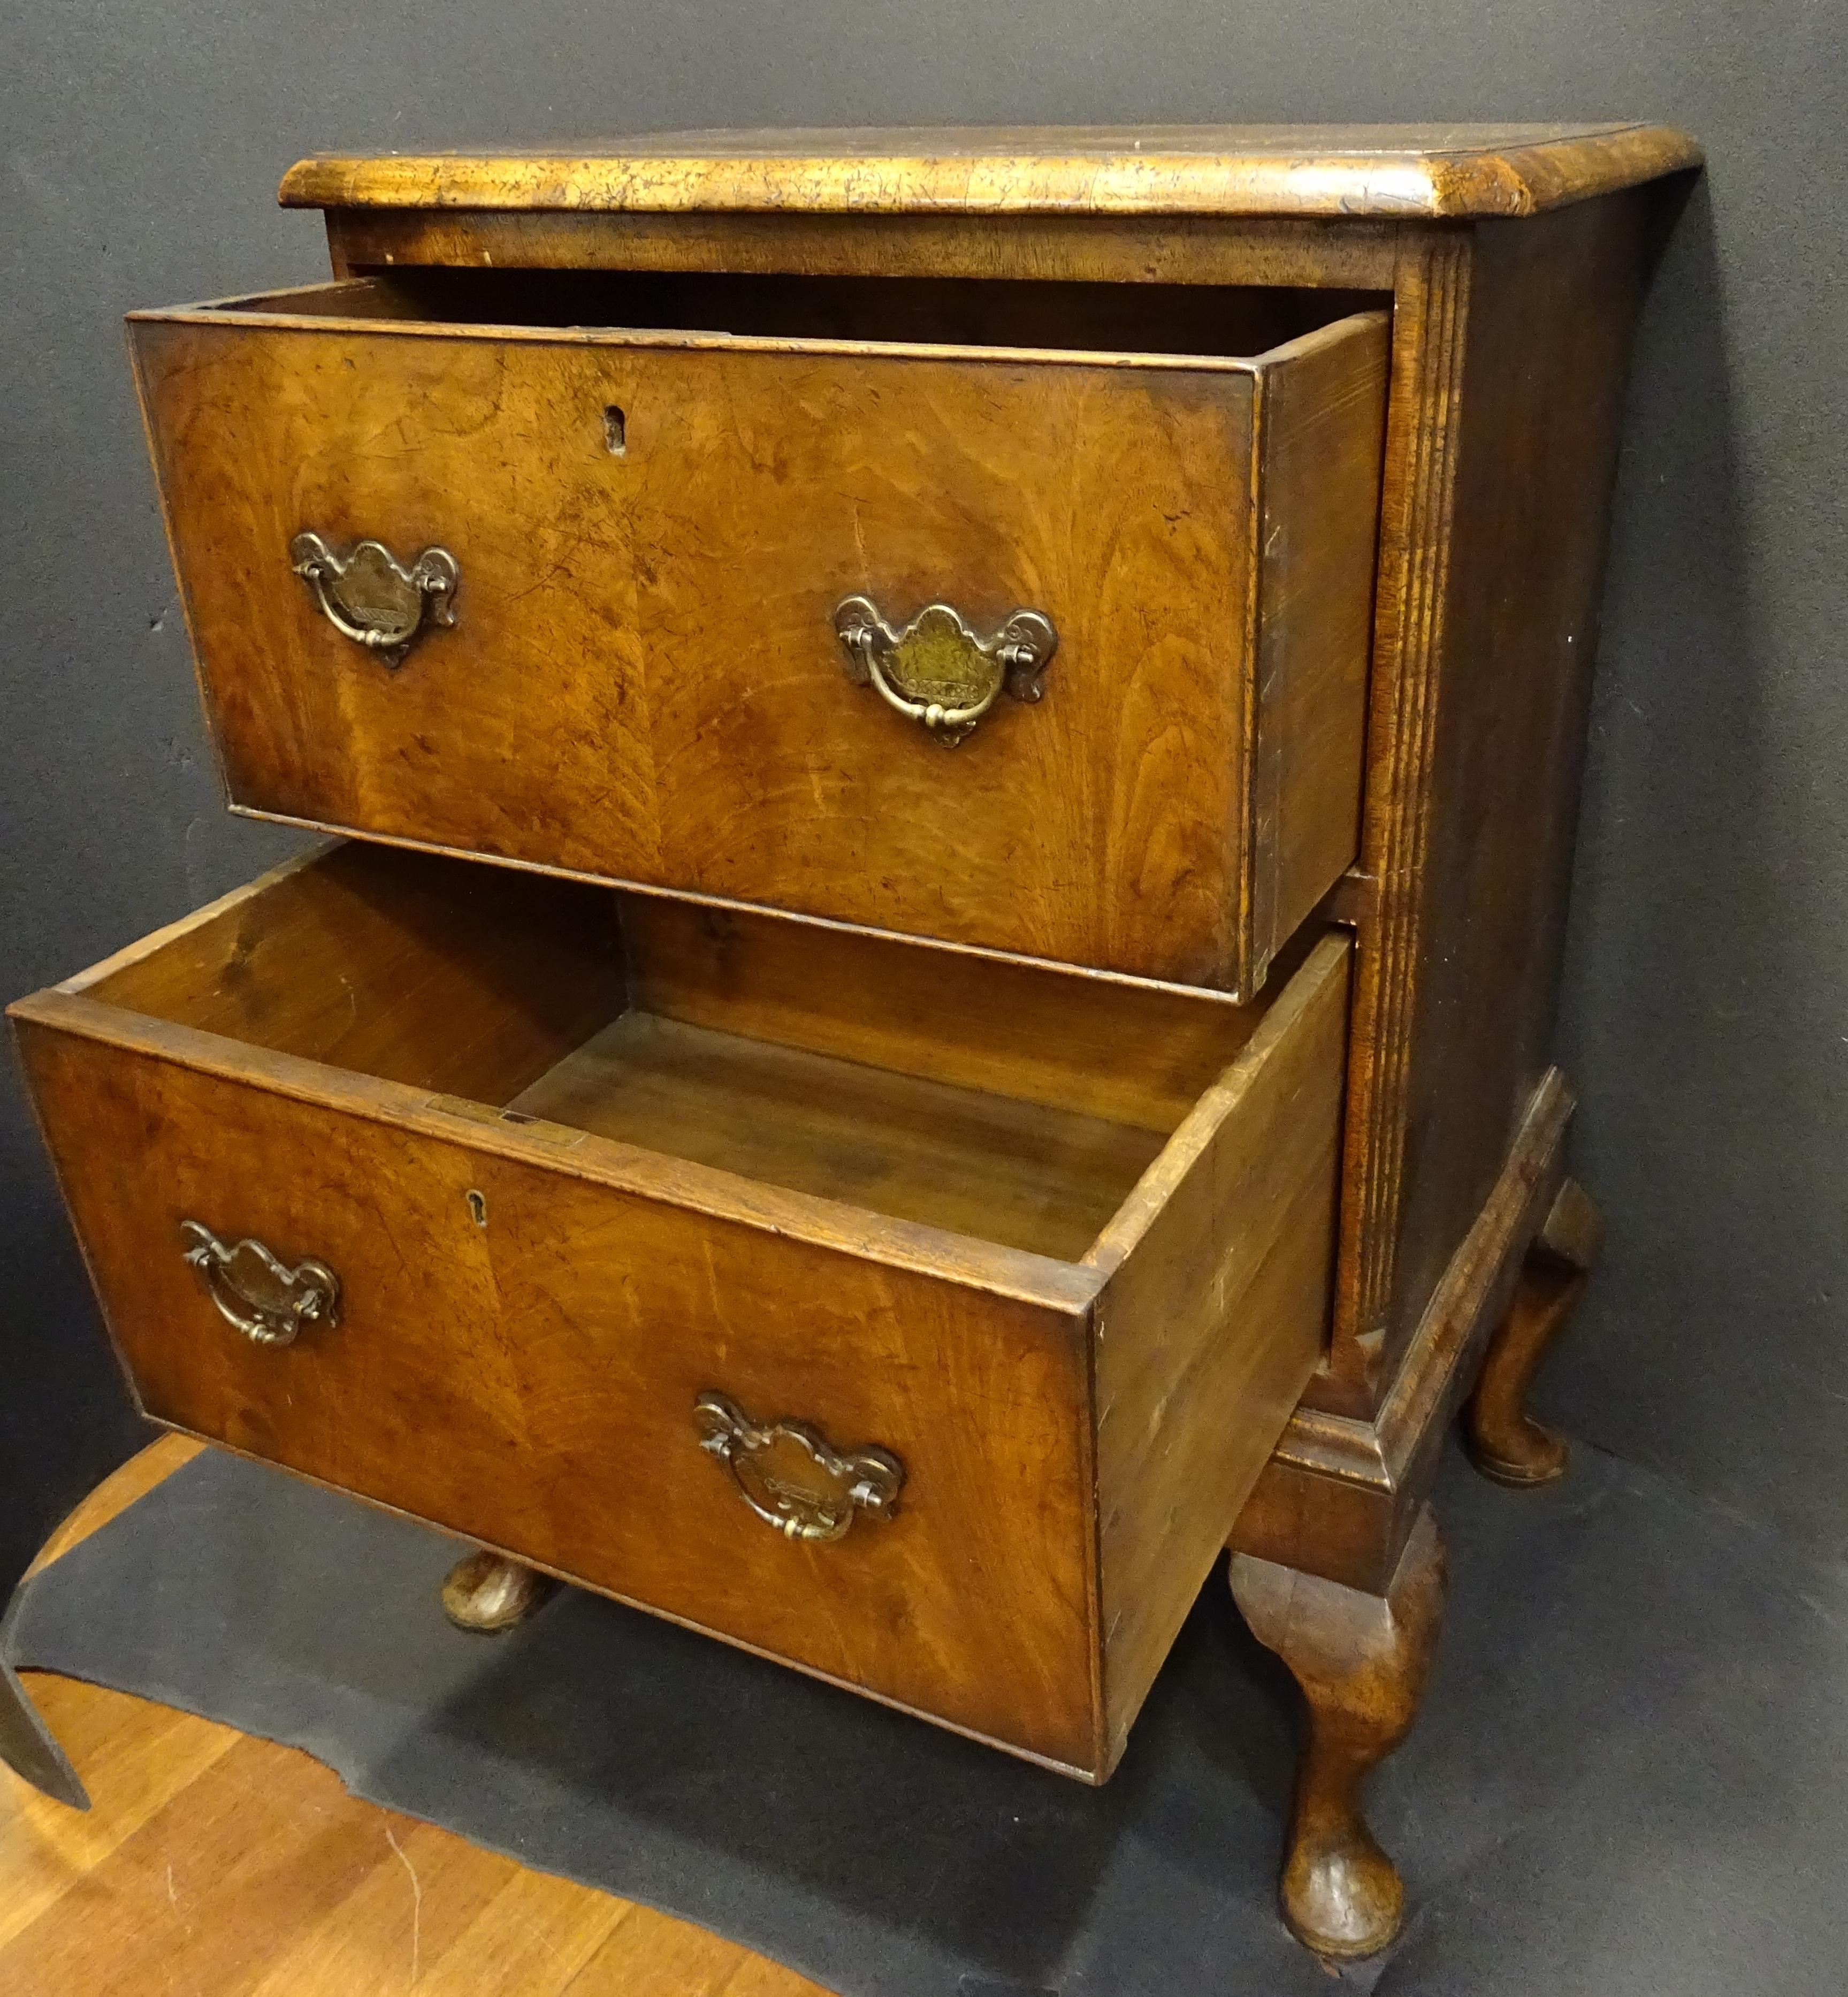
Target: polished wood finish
471 984
449 1223
1340 1496
487 1595
1091 1213
1234 1222
1130 1053
642 681
1152 255
1400 172
1505 1443
1515 336
1493 531
1361 1660
215 1862
1026 1176
1508 345
1519 348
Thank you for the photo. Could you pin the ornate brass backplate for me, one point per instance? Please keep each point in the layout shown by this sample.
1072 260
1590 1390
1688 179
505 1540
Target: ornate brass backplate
368 595
268 1301
791 1477
936 670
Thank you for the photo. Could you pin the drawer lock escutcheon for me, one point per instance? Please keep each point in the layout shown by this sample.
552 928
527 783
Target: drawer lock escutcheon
936 670
265 1300
368 595
792 1478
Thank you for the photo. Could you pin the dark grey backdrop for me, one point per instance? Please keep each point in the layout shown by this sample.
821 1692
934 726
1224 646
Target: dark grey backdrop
1703 1015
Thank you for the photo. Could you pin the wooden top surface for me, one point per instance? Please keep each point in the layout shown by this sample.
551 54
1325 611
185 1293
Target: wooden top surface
1381 171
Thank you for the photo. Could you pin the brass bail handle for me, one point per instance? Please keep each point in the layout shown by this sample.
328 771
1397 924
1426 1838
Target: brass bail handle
792 1477
936 670
257 1292
368 595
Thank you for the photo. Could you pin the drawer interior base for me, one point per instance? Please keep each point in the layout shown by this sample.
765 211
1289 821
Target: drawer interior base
1025 1175
995 1099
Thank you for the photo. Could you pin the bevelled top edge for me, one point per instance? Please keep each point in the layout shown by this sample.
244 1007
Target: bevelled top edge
1386 171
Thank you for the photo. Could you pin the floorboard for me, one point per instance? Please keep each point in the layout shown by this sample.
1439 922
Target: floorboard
213 1862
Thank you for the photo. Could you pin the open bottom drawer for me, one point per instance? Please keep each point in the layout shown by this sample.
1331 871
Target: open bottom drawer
533 1208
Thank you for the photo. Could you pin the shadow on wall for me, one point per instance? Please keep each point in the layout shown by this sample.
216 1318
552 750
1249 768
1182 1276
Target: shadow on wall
1700 995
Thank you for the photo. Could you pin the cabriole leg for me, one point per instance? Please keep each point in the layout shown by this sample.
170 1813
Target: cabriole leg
1504 1440
1361 1661
487 1594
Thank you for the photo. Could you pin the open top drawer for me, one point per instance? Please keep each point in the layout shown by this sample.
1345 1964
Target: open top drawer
690 582
542 1212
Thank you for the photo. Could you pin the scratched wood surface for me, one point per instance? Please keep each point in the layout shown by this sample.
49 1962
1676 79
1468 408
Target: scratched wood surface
212 1861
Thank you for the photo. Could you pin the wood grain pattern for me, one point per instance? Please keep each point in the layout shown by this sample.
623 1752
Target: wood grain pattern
132 1774
558 1351
1233 1226
1504 1441
213 1861
418 970
1508 336
1551 311
1011 359
1342 1492
1312 253
1133 325
551 1299
258 1876
1362 1659
488 1594
1320 433
72 1885
643 681
1029 1177
1136 1054
1398 170
1413 569
1501 451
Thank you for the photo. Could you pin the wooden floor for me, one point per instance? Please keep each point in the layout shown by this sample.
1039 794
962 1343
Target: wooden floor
212 1864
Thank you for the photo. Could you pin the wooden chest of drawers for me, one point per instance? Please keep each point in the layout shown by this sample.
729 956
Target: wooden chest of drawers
1026 690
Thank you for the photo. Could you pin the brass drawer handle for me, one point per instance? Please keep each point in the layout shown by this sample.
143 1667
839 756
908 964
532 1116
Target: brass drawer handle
367 594
268 1302
791 1478
937 671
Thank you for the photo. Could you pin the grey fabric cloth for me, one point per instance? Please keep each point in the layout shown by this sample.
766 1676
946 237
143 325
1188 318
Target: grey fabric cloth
1629 1774
29 1747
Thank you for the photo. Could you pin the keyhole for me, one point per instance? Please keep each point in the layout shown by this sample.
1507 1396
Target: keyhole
615 431
477 1207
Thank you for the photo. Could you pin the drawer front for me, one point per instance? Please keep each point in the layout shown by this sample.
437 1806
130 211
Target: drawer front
516 1354
644 549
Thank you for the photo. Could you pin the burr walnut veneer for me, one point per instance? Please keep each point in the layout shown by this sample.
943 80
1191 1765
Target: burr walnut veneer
1024 693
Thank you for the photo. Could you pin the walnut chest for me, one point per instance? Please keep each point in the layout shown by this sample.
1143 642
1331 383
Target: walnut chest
957 754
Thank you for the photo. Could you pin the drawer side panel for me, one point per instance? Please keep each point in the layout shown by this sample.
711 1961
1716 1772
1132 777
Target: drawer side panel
1208 1330
1322 431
